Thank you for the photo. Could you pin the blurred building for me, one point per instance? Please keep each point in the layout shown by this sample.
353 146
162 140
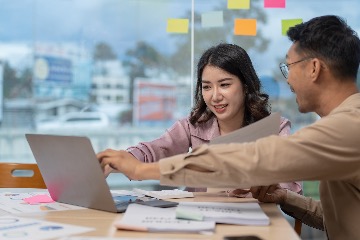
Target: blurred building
110 84
61 72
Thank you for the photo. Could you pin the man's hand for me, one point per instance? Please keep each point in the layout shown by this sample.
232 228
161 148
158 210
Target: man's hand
121 161
269 194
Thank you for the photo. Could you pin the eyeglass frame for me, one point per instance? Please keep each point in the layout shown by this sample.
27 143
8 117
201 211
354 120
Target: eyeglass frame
284 67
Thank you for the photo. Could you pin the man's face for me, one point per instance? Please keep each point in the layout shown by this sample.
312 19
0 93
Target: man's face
298 81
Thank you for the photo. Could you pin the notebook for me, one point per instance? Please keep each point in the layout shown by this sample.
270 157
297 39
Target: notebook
73 175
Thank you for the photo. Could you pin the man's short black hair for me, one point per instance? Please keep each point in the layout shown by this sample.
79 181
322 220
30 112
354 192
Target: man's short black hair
330 39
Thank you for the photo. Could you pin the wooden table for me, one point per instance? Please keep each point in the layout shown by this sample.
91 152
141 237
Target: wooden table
103 222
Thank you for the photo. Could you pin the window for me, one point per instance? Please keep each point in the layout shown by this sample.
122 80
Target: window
105 56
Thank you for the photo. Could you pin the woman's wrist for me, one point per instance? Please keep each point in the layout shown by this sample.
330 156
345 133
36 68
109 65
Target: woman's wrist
283 196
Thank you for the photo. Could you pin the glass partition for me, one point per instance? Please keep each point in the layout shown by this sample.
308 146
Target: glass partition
122 71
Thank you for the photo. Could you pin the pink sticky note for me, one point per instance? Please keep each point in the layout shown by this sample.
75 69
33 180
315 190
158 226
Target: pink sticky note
42 198
274 3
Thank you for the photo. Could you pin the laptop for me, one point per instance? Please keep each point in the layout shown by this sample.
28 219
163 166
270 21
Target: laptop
73 174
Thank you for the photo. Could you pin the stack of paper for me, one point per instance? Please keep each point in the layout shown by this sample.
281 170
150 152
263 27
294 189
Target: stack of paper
153 219
230 213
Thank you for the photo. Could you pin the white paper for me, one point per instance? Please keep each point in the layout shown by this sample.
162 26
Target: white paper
267 126
12 227
12 202
153 219
125 193
220 212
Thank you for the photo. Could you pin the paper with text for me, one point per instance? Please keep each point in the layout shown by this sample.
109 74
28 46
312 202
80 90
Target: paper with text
13 202
152 219
220 212
13 227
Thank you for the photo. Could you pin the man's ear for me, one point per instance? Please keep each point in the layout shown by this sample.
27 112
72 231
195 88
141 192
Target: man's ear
316 68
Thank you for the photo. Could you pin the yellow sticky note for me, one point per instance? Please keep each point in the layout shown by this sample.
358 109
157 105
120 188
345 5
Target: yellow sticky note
287 23
177 25
245 27
238 4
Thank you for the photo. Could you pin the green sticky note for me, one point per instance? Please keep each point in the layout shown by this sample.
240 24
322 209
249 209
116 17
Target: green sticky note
287 23
189 215
212 19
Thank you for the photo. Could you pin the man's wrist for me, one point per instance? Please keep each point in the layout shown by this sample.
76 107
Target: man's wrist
147 171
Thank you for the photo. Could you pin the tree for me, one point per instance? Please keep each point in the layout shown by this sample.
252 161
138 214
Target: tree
10 79
103 52
139 60
17 84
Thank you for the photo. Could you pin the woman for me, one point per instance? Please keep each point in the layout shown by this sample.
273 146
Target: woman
228 96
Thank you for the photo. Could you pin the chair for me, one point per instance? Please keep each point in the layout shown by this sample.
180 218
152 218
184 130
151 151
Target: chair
9 180
297 226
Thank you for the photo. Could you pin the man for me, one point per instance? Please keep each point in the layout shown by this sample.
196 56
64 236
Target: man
321 67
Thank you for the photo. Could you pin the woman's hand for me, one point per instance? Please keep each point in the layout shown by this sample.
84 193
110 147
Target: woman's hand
121 161
269 194
240 193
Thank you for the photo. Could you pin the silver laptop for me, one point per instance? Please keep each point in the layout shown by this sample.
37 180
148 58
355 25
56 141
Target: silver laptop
73 175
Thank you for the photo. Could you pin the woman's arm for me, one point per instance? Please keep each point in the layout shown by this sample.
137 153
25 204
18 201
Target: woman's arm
307 210
175 140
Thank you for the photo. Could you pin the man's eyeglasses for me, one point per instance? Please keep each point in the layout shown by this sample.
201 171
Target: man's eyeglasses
284 67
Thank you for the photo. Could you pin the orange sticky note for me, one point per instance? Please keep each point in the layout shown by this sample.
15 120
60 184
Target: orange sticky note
177 25
245 27
274 3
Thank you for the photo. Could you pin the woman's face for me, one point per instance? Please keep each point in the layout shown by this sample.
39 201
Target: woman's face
223 94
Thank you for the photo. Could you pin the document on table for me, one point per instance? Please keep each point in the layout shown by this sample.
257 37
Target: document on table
12 227
13 202
265 127
153 219
220 212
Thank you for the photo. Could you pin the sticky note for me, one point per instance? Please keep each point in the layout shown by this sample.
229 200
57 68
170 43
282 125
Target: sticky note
287 23
245 27
274 3
238 4
177 25
41 198
190 215
212 19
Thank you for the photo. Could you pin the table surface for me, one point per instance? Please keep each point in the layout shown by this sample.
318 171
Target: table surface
103 222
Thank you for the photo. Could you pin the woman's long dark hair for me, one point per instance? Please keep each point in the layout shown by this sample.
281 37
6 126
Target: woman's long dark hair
234 60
